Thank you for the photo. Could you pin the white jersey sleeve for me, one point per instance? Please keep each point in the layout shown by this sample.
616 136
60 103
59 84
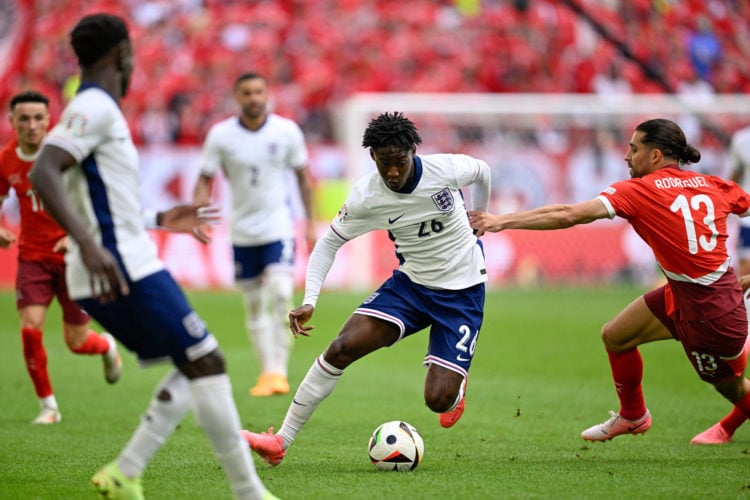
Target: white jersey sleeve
104 188
321 260
739 162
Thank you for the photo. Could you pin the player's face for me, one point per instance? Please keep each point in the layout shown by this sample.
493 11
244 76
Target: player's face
252 96
30 121
395 165
638 156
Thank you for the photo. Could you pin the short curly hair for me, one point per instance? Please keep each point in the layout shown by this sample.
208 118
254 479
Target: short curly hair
95 35
391 129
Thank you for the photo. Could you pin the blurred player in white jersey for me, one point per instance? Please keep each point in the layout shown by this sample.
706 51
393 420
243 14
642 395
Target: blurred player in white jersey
739 164
87 176
439 284
256 151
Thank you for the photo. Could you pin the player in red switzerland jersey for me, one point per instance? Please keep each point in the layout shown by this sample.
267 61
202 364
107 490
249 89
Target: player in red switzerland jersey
682 215
41 265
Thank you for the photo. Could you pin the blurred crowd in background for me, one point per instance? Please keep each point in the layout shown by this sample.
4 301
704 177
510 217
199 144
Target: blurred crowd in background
316 53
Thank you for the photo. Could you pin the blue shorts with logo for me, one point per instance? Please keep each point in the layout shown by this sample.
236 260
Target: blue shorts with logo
250 262
454 317
155 321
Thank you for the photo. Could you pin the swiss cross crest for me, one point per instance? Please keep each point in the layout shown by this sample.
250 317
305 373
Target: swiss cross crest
443 200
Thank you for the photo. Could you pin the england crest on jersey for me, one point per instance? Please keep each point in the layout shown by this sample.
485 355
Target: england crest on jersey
443 200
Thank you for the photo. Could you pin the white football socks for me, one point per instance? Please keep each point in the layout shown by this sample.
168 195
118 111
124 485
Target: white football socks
319 382
216 413
157 424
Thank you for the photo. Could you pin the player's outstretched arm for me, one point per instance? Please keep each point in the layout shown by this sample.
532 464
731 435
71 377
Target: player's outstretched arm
190 219
542 218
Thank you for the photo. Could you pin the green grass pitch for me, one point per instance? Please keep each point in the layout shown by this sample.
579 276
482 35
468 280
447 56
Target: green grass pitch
539 377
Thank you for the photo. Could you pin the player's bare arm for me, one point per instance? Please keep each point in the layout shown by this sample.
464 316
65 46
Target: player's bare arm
297 319
6 237
304 182
46 176
190 219
546 217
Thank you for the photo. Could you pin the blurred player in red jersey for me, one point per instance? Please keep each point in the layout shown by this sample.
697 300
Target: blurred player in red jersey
682 216
41 267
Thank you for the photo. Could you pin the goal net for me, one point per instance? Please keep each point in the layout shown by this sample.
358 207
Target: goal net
547 148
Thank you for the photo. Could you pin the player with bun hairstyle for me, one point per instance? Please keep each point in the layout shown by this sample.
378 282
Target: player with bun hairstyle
114 271
439 284
682 216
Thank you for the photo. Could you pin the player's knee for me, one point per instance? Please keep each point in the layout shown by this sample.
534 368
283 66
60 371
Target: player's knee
733 388
211 364
340 352
438 401
609 338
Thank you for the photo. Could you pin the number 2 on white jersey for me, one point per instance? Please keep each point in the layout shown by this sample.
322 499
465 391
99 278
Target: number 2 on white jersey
681 204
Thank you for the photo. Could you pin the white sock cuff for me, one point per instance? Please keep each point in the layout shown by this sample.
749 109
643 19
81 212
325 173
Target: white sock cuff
328 368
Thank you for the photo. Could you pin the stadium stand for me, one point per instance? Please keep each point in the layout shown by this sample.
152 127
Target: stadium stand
317 53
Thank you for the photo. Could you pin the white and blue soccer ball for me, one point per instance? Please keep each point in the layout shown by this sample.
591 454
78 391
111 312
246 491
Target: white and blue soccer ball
396 446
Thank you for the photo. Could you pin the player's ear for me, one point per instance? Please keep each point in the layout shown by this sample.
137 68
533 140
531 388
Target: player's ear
656 155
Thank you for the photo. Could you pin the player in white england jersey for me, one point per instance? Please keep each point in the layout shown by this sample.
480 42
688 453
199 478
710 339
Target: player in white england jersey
439 284
256 151
114 272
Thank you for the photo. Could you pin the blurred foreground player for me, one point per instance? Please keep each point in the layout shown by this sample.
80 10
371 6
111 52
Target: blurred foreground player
114 271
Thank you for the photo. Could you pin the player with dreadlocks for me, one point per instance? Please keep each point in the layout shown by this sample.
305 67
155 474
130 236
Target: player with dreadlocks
440 281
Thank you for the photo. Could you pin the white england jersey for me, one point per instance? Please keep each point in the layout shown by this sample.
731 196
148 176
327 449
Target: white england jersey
257 164
739 160
427 222
104 187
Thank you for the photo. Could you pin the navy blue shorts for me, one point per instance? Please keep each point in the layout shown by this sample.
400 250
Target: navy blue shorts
454 317
250 262
744 243
154 321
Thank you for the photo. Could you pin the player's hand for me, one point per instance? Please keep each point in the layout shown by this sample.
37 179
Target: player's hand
745 282
482 222
6 237
61 245
106 278
297 319
194 219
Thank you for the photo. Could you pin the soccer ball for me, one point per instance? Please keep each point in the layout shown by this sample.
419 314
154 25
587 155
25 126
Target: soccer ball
397 446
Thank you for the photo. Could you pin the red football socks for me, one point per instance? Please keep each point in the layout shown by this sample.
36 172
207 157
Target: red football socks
36 361
627 373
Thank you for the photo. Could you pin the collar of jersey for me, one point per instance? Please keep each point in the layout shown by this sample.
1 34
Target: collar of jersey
417 176
90 85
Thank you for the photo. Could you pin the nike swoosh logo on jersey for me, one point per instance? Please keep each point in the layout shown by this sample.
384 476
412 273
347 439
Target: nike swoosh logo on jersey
391 221
461 358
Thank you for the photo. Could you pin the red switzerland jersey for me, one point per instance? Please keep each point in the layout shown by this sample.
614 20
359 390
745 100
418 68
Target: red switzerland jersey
682 216
39 231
